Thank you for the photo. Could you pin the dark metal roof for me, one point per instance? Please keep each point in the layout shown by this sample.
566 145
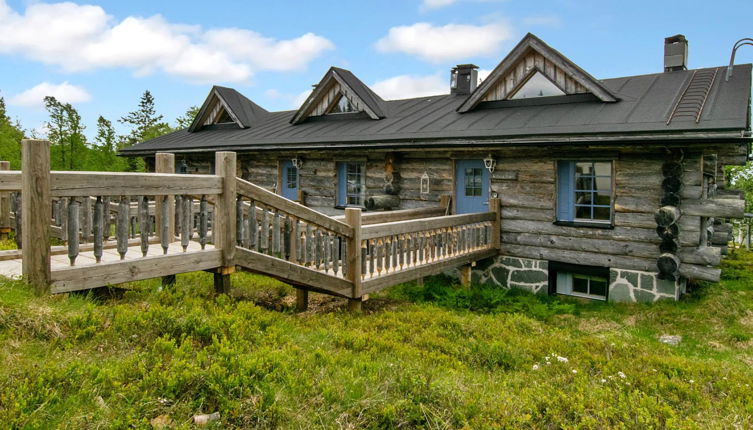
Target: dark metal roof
646 103
247 112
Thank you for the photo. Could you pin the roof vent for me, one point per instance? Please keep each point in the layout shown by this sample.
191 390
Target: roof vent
675 53
463 79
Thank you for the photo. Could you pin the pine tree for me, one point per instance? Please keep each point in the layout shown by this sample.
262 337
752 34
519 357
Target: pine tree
185 120
76 138
58 131
142 120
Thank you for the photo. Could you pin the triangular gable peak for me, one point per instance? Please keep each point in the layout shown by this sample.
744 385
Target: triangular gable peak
532 58
225 106
340 91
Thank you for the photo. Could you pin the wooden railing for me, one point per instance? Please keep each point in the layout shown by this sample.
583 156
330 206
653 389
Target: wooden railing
217 223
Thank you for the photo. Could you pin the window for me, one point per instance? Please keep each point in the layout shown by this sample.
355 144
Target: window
584 191
537 85
343 105
582 285
351 183
473 181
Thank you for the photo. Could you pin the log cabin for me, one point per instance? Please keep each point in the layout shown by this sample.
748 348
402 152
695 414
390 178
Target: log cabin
610 189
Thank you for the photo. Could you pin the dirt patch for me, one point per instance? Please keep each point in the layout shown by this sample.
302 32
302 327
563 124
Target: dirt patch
747 320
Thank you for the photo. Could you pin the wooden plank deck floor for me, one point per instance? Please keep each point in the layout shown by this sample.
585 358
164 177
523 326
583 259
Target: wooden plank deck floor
12 268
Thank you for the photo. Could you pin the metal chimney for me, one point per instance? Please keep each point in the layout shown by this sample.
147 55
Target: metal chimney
675 53
463 79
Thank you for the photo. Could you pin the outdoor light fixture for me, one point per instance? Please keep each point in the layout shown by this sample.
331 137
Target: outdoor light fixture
425 183
490 163
297 162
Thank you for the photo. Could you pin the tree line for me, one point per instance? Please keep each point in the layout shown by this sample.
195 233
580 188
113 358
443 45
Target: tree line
71 149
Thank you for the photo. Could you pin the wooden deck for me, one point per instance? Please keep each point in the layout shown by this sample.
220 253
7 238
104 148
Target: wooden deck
242 225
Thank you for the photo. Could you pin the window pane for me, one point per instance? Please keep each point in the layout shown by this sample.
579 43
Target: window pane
603 183
580 284
602 213
354 184
584 168
292 177
472 179
583 198
598 286
537 86
583 212
584 183
603 168
602 198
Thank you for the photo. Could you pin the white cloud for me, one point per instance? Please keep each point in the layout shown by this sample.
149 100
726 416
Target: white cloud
446 43
407 86
483 74
64 93
436 4
84 37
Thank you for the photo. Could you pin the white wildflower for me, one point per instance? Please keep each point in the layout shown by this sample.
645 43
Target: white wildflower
535 367
691 381
575 371
621 375
603 381
562 359
546 358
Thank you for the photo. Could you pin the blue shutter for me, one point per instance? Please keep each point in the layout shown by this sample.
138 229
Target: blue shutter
342 179
565 190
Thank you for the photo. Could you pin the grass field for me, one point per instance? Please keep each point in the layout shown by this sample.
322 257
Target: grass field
431 357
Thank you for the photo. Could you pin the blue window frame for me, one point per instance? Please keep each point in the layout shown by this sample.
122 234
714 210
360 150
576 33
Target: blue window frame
351 183
584 191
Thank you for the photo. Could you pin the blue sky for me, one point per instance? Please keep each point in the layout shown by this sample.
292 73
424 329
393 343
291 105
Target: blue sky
101 55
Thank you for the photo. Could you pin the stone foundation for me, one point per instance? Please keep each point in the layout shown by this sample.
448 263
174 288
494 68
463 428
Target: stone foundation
533 276
514 272
646 287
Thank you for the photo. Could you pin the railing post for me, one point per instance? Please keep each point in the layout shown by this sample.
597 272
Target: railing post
37 213
164 162
353 255
224 219
4 207
494 206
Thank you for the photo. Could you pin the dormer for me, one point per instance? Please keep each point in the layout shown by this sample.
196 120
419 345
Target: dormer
340 92
534 70
226 107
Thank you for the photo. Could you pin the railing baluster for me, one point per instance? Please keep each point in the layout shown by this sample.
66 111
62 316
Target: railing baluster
186 221
239 224
394 251
372 257
309 245
318 249
401 251
121 229
73 222
276 233
364 255
86 224
253 229
144 224
203 221
264 235
300 243
326 251
178 214
380 256
63 219
335 254
164 236
98 228
106 218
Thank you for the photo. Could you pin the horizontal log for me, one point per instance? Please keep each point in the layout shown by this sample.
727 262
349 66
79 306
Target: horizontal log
668 265
425 224
692 271
528 214
80 184
382 201
717 208
720 237
296 209
103 274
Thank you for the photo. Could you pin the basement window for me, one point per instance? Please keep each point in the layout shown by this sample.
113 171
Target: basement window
589 282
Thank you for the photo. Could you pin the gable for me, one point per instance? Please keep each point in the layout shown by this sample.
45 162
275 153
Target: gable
226 106
528 59
335 85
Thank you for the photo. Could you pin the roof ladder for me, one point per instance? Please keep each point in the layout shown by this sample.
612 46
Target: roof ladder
691 102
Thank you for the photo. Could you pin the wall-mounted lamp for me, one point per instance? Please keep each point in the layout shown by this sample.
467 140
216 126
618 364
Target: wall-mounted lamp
490 163
425 183
297 162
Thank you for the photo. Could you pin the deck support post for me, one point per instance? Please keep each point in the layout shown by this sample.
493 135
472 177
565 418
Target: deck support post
164 162
465 275
224 219
36 207
4 207
301 299
494 206
353 255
